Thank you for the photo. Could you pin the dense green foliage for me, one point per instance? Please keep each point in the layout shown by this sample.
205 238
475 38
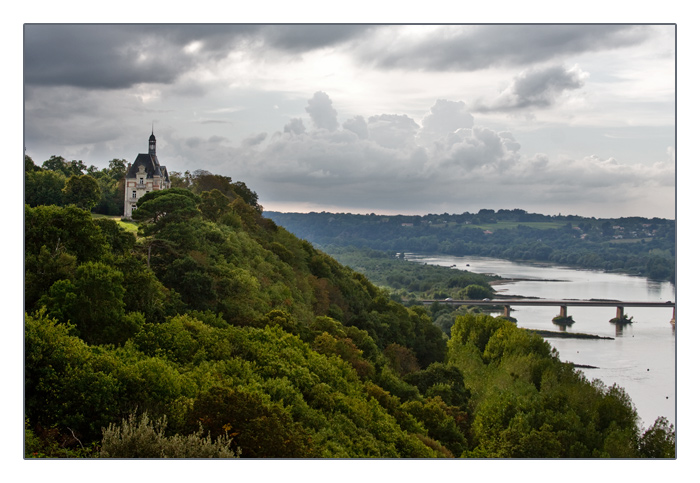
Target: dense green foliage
634 245
60 182
409 281
217 333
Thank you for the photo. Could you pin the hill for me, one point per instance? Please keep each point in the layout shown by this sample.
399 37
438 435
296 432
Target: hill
636 245
215 332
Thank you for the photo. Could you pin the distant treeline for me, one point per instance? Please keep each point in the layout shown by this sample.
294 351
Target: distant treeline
408 281
634 245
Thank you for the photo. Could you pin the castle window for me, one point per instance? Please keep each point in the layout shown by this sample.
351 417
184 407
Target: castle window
133 194
140 180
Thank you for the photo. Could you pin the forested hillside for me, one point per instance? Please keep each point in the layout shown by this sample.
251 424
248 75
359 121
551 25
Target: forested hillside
217 333
634 245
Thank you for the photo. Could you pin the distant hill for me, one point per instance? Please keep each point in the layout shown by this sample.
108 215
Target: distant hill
638 246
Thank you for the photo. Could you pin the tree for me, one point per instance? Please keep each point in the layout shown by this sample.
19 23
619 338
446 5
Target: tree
82 191
478 292
117 169
43 187
401 359
29 164
59 163
112 199
248 195
94 303
180 180
56 163
659 441
205 181
437 376
68 229
261 429
63 388
42 270
159 207
214 204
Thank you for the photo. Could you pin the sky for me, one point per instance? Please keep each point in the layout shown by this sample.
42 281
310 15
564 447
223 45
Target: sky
372 118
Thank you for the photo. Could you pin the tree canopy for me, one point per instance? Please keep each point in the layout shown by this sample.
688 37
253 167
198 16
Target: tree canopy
217 330
82 191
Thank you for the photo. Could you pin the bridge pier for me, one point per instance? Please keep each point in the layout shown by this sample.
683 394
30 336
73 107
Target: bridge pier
506 311
562 311
620 312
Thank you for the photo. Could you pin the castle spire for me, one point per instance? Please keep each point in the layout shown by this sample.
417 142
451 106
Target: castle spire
152 143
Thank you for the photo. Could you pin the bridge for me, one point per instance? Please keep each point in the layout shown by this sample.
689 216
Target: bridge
562 304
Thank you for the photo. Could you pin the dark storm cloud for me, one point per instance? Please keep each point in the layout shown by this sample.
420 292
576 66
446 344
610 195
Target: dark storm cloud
96 56
536 88
120 56
301 38
468 48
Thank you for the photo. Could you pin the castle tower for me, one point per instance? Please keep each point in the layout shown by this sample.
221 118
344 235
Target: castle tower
144 175
152 144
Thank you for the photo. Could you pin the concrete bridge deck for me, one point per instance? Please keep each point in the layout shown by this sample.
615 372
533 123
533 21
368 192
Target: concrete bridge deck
562 304
559 303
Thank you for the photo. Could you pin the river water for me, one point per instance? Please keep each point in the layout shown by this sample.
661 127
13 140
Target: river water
642 356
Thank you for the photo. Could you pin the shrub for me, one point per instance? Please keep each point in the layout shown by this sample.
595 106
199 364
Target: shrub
475 292
142 438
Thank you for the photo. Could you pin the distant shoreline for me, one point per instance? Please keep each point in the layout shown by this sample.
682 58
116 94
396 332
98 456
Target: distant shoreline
513 280
568 335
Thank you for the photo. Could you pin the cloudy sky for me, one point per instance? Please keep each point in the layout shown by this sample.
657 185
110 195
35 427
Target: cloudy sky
411 119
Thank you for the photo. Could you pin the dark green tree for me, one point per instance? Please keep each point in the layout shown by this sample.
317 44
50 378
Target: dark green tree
111 201
248 195
659 441
68 229
68 168
478 292
261 429
117 169
44 187
29 164
94 302
214 204
82 191
157 208
180 180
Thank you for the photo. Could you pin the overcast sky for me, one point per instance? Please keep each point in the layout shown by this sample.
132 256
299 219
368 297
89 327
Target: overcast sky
389 119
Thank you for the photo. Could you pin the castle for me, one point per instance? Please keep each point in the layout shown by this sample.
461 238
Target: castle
144 175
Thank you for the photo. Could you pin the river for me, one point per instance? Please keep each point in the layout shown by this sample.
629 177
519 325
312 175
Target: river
642 356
